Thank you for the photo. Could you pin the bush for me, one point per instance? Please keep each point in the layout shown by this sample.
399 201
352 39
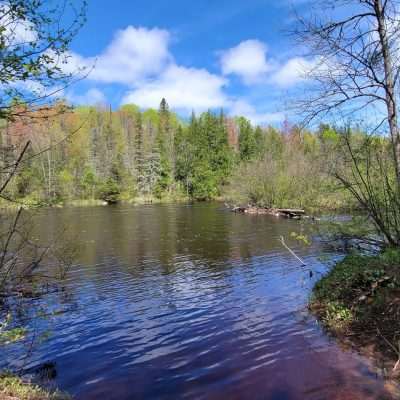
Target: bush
110 191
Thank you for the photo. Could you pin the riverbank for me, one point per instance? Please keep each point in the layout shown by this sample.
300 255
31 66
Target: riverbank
140 200
358 301
14 388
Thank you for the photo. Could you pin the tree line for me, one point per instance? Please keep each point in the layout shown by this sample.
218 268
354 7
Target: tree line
96 153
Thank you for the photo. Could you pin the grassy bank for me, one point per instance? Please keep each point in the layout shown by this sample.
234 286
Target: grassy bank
14 388
139 200
359 302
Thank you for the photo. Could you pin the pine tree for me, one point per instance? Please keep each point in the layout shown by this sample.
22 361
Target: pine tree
163 143
184 154
139 151
151 174
247 140
212 155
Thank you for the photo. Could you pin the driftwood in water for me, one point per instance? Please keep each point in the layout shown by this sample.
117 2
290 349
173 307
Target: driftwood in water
282 240
279 212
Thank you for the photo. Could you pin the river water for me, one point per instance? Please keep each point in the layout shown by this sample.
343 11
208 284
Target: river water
190 302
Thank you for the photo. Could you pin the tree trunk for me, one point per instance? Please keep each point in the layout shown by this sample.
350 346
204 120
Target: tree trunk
389 86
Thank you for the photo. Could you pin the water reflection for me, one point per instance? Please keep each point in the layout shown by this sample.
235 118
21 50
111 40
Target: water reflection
192 302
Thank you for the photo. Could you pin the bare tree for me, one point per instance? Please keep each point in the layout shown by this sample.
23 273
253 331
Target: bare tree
366 169
355 50
35 36
34 46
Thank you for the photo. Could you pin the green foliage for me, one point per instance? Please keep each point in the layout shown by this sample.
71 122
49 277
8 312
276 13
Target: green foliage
204 159
164 143
337 315
338 283
25 182
12 335
88 183
109 191
128 153
357 289
247 140
204 182
293 170
391 256
301 238
328 135
66 183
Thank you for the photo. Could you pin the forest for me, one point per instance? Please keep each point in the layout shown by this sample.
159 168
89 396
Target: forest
96 153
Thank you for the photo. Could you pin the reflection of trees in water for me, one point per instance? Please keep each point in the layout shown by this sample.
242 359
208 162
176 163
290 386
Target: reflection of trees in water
159 286
162 236
164 250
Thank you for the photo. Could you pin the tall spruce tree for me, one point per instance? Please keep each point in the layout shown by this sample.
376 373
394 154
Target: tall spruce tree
247 140
163 143
139 151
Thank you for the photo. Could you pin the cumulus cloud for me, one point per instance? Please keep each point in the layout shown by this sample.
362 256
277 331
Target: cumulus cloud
292 72
140 59
33 89
134 55
185 88
247 60
245 109
92 97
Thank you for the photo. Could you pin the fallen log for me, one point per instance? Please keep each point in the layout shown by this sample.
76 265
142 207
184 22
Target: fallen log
294 213
291 211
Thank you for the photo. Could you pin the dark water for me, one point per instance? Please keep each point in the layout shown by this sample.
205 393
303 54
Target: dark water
191 302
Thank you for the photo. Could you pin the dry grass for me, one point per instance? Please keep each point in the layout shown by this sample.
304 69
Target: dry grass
14 388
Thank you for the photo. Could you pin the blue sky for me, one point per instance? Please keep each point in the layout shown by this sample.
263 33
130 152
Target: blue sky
197 54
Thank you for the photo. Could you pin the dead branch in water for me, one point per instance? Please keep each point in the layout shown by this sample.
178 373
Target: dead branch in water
282 240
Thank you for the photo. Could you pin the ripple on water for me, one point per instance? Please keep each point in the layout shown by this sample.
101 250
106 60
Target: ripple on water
192 302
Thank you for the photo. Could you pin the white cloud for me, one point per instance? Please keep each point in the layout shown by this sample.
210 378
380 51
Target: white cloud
20 32
30 86
16 30
92 97
247 60
140 60
292 72
185 89
33 89
245 109
133 55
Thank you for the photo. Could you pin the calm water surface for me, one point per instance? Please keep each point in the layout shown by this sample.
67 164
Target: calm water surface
191 302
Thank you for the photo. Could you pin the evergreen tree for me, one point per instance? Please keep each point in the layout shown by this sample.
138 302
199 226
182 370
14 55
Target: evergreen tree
212 158
163 143
151 174
260 142
184 152
247 140
139 150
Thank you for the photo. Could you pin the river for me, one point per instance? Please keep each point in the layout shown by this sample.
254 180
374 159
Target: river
190 302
